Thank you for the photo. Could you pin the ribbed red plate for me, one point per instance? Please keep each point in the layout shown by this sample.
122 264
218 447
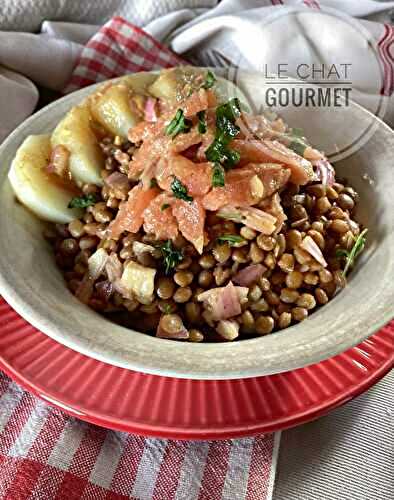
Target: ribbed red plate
185 409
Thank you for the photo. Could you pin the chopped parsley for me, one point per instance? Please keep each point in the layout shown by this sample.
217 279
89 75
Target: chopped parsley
231 239
297 132
210 80
298 147
217 175
179 190
226 130
153 183
202 122
171 256
351 255
179 124
82 201
165 206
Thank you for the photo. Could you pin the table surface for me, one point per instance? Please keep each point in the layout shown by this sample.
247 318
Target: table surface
347 455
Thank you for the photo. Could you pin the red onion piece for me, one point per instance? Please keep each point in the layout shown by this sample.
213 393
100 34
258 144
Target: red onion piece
324 172
224 302
150 110
104 290
309 245
249 274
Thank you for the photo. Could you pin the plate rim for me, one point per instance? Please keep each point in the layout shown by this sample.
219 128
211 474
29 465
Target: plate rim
172 432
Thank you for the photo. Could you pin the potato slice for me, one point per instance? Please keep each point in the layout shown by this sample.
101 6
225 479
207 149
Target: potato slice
34 187
75 133
112 109
170 81
139 280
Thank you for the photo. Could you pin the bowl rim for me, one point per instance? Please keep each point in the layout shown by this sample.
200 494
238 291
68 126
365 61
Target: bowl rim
307 352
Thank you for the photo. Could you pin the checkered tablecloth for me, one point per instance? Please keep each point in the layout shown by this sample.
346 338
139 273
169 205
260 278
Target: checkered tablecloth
45 454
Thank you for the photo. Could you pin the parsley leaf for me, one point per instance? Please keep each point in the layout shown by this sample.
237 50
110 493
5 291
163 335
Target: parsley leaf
179 190
297 132
218 152
202 122
351 255
165 206
231 239
171 256
82 201
178 124
217 175
210 80
298 147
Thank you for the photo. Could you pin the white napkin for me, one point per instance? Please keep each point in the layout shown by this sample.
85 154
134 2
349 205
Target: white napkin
190 27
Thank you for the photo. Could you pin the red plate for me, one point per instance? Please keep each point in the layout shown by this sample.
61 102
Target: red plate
185 409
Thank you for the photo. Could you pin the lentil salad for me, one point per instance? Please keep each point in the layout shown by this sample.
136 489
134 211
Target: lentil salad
211 223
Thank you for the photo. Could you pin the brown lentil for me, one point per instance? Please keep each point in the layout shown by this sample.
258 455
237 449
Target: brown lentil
260 306
286 263
255 293
264 325
265 284
247 233
266 243
183 294
306 300
221 253
284 320
205 278
221 275
207 261
321 296
165 288
183 278
193 312
247 322
293 239
299 313
195 335
239 256
255 253
325 276
288 295
294 279
171 323
318 238
270 261
87 242
311 278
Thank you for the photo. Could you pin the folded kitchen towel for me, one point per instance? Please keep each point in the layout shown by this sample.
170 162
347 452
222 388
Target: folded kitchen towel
46 454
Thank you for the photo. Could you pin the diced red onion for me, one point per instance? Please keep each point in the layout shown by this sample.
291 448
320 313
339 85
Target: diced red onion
104 290
114 268
309 245
224 302
150 110
249 274
97 262
118 182
58 163
182 334
85 289
324 172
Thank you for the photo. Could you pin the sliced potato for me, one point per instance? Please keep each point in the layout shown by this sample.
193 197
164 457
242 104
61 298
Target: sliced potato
34 187
166 85
75 133
112 109
139 280
170 81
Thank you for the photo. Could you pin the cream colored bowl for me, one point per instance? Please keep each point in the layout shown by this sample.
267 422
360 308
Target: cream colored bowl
31 283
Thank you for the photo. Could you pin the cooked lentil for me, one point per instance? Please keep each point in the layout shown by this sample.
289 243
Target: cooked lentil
293 283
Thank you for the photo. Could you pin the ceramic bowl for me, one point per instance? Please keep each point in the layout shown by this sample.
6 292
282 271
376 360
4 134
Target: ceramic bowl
31 283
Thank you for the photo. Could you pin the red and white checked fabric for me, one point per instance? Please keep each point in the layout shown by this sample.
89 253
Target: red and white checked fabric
45 454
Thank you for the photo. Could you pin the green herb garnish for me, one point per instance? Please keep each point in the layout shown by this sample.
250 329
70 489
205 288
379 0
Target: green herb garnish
171 256
231 239
298 147
217 175
202 122
297 132
165 206
226 130
179 190
210 80
82 201
351 255
179 124
153 183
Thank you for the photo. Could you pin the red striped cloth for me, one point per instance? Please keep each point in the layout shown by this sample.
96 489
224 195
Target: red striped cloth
45 454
